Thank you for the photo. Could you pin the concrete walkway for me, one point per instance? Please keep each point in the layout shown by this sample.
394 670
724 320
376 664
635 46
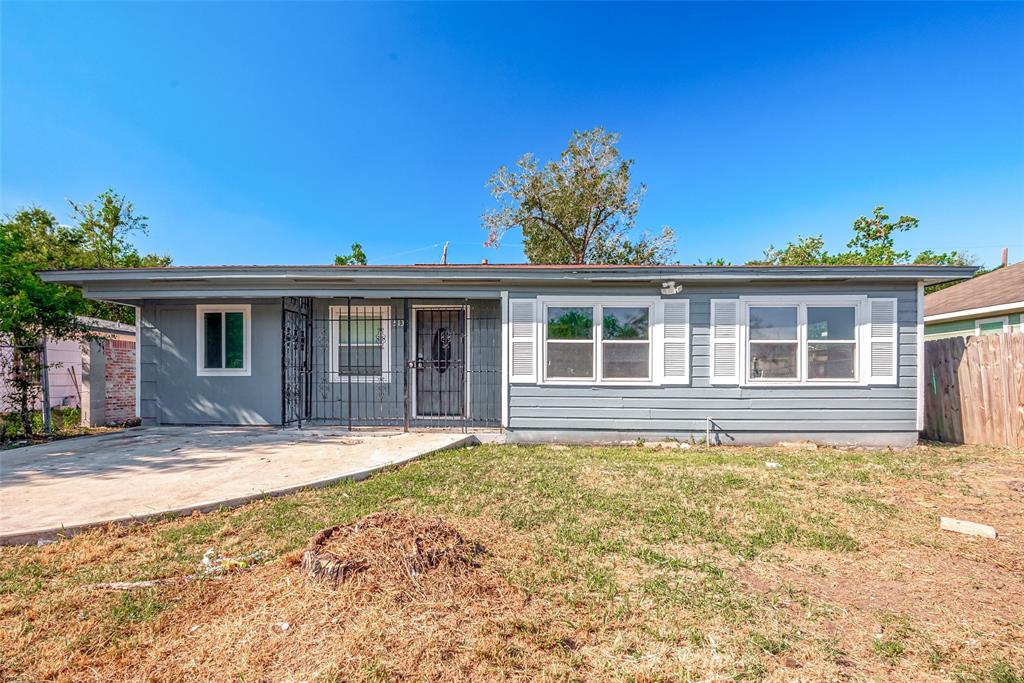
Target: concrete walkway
69 485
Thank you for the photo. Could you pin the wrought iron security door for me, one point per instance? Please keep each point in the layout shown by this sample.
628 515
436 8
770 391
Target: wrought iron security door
391 363
296 340
440 362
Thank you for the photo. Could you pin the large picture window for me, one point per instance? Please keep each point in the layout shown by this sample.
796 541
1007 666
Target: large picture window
223 339
597 342
802 342
360 351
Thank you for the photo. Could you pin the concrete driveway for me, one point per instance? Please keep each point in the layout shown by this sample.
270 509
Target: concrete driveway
69 485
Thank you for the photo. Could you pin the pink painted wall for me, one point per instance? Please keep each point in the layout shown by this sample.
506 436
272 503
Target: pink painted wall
65 358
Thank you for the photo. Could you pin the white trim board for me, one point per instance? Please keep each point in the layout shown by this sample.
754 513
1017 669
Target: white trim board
919 314
974 312
504 360
138 362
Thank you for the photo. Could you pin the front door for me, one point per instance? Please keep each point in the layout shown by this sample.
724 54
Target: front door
440 362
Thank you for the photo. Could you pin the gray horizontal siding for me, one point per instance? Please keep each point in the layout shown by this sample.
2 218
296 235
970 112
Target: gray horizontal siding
172 392
852 414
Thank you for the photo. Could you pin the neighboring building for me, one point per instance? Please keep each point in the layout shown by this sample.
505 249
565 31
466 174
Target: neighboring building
69 375
988 304
751 354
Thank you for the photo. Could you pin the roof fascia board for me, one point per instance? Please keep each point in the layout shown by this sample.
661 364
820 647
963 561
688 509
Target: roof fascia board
227 293
497 274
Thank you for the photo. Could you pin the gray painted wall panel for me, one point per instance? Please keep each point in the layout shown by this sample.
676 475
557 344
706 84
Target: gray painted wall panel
179 396
172 392
853 414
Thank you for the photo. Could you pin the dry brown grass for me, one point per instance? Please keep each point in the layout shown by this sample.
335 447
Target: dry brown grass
597 564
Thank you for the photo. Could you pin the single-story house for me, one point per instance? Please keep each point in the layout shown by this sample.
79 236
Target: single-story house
747 354
988 304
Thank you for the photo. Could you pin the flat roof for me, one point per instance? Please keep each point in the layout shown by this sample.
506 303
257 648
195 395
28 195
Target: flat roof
508 272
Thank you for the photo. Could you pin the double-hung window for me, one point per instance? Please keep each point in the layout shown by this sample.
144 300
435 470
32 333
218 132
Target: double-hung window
597 342
626 342
360 349
831 342
570 352
223 344
802 342
774 347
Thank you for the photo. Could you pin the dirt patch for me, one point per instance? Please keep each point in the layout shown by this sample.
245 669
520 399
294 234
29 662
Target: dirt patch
388 552
933 596
420 602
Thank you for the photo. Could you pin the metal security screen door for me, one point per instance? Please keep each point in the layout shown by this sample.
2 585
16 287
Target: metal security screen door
296 333
395 363
440 362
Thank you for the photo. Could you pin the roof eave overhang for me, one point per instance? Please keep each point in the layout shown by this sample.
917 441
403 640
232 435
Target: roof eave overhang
493 275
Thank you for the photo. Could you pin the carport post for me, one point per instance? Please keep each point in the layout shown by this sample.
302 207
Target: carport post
348 357
406 327
45 379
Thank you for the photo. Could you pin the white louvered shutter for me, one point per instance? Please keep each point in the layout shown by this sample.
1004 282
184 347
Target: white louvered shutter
675 341
725 341
522 319
884 341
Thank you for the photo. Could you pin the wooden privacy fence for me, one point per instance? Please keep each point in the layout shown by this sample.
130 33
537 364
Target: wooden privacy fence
974 390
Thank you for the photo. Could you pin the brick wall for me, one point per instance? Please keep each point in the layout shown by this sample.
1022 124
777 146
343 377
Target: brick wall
119 376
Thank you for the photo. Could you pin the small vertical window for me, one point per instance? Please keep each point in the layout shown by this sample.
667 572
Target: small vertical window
223 340
214 323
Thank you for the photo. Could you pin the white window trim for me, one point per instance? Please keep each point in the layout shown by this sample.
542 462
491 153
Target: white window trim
861 357
599 303
1004 319
246 311
339 314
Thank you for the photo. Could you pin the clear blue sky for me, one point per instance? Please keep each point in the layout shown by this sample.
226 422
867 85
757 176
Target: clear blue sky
281 133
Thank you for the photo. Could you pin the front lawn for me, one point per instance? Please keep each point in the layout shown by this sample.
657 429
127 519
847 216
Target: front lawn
601 563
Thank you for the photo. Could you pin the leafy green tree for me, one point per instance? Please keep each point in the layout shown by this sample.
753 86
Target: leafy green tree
32 240
105 227
578 209
873 243
948 258
357 257
572 324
